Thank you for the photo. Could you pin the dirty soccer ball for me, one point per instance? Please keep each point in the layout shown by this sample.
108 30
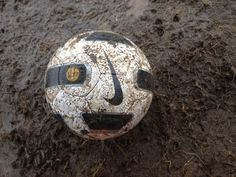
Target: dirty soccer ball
99 83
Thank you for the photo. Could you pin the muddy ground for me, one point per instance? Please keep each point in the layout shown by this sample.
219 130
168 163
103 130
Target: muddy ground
190 128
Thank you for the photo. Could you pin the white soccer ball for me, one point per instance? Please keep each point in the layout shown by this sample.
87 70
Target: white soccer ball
100 84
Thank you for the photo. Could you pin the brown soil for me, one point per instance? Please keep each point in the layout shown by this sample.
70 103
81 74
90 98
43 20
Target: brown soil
190 128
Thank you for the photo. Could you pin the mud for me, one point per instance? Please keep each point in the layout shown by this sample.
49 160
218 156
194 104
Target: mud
190 127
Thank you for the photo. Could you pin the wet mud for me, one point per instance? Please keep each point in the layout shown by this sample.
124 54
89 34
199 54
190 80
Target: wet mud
190 127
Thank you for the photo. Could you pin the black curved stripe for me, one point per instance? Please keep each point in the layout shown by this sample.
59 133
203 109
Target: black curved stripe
145 80
109 37
106 121
118 96
57 75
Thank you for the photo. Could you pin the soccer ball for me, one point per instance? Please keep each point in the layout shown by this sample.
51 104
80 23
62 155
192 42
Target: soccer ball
100 84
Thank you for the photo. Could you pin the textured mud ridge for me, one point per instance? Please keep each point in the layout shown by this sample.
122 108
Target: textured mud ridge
188 130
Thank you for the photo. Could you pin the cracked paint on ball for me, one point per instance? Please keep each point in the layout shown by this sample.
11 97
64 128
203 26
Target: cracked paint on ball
110 89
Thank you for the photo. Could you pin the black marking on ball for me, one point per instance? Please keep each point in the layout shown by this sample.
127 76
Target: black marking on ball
57 75
118 96
106 121
109 37
145 80
52 77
